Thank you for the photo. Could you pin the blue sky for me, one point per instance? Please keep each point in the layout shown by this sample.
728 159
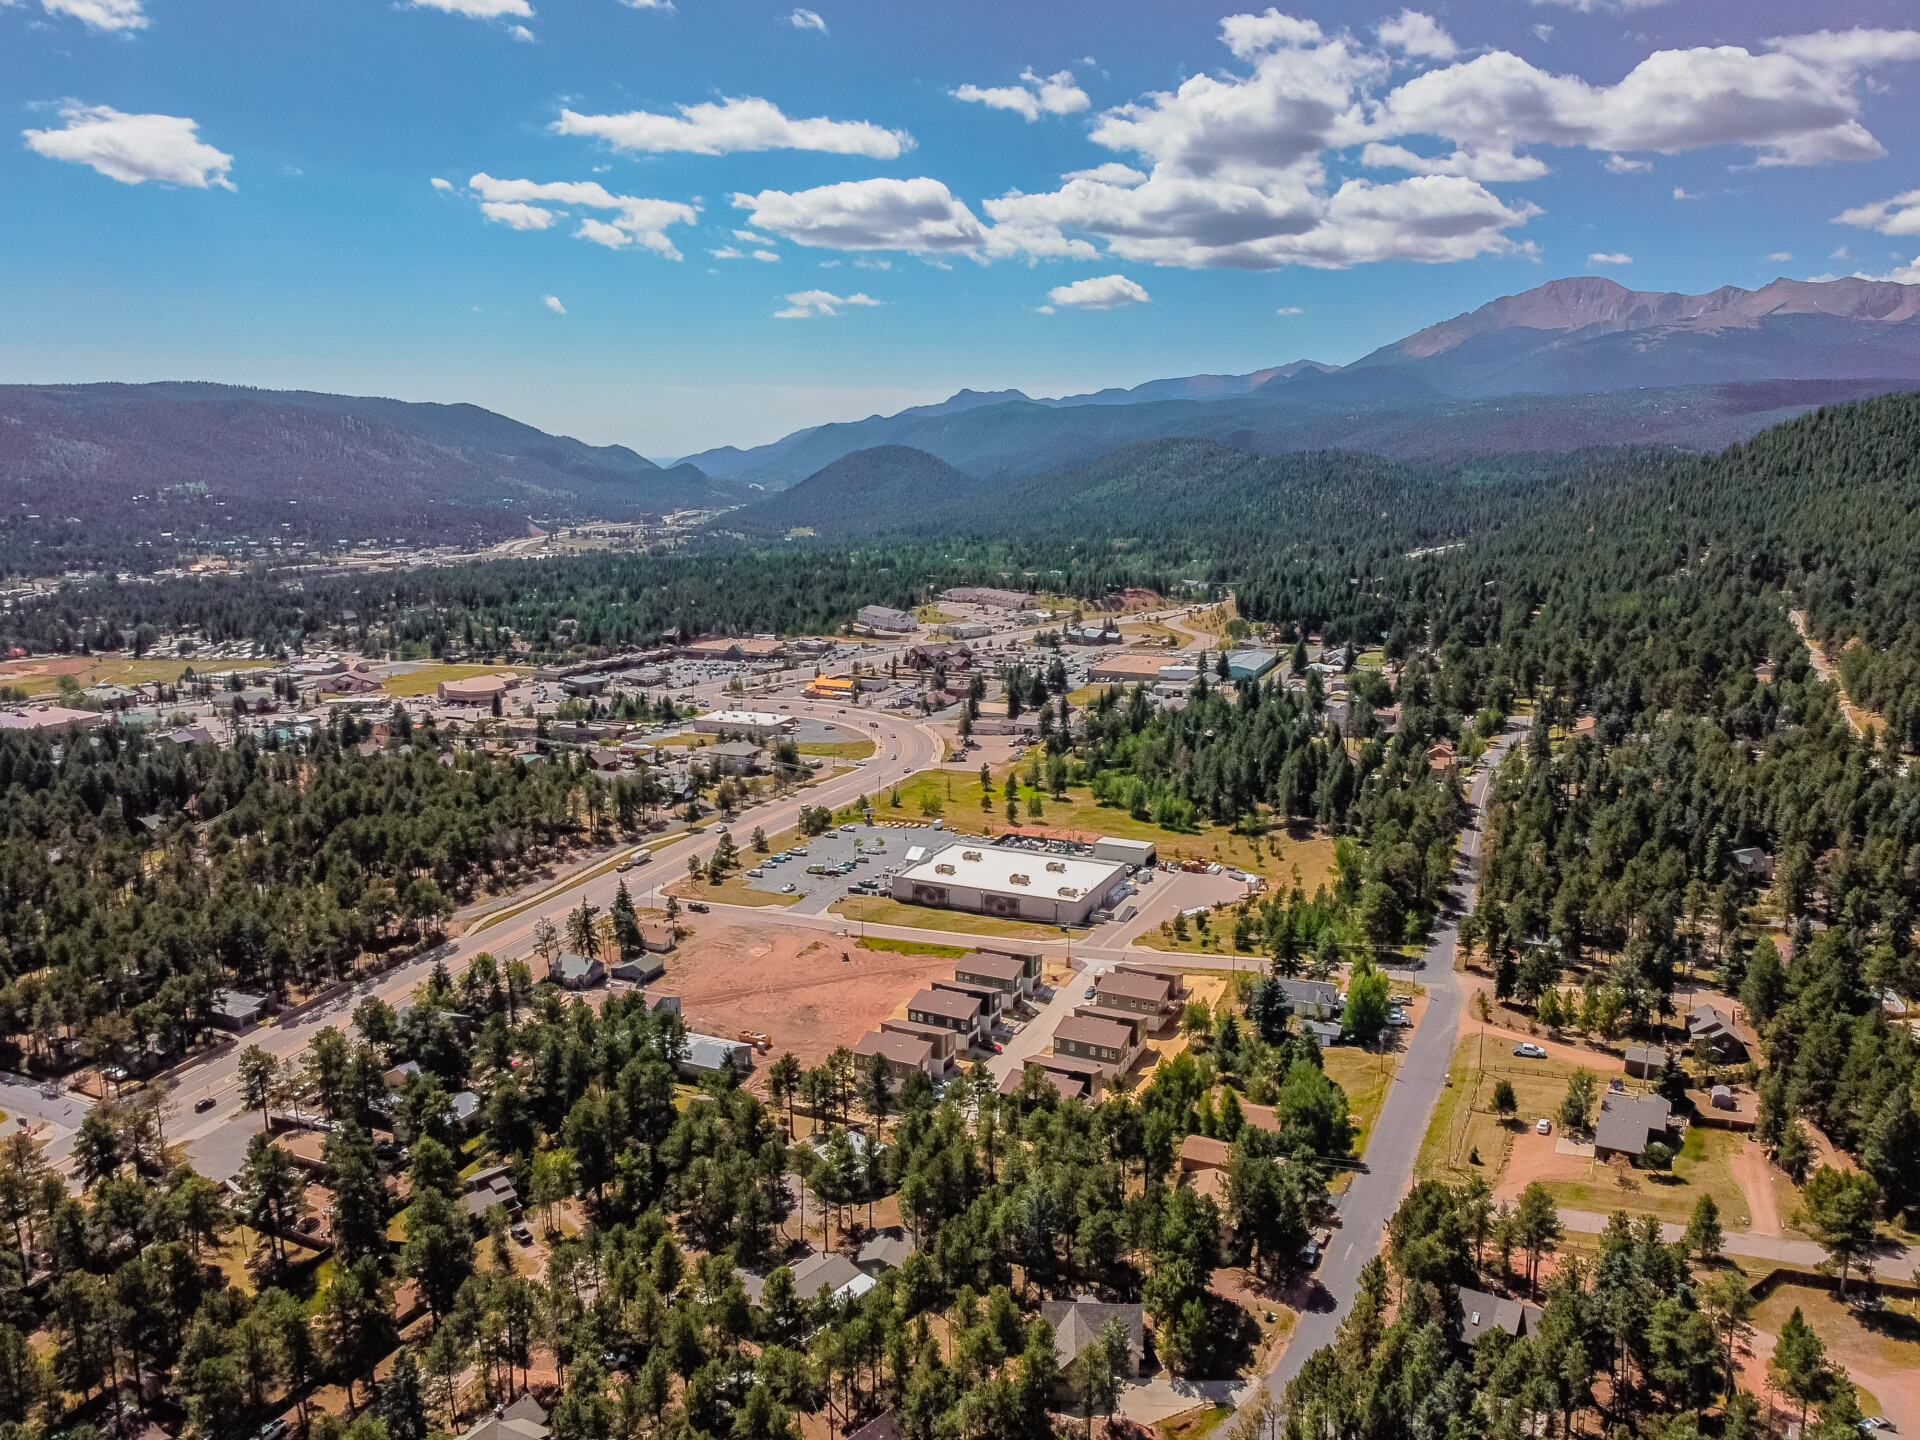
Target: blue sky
554 207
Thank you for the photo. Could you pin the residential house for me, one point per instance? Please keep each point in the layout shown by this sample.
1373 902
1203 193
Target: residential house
575 972
1203 1166
952 1010
1712 1028
1107 1043
1645 1062
991 997
489 1187
1481 1312
525 1419
1136 992
710 1055
904 1054
1314 999
1629 1123
835 1274
1078 1323
885 1249
1754 863
1008 973
944 1043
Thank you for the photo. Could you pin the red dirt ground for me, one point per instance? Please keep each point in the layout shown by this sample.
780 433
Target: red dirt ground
791 985
1755 1178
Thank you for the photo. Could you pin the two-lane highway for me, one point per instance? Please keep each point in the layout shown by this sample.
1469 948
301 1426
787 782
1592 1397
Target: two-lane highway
1376 1191
217 1139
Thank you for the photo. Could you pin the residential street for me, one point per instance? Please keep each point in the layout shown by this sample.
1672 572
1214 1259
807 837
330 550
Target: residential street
1377 1190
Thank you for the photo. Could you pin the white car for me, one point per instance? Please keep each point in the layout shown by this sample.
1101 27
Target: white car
1527 1050
787 889
1543 1125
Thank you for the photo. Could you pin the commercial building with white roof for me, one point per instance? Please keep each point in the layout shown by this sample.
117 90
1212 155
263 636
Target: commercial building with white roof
745 722
1018 884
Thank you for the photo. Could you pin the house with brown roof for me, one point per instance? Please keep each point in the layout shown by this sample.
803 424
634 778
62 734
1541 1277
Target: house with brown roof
1107 1043
904 1054
1137 993
1712 1028
954 1010
991 997
945 1044
1003 972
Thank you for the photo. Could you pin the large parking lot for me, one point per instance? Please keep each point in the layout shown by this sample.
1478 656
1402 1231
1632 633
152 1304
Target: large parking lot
873 850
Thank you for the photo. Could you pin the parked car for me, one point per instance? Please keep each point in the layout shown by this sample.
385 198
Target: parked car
787 889
699 907
1087 994
1527 1050
757 871
272 1430
1543 1125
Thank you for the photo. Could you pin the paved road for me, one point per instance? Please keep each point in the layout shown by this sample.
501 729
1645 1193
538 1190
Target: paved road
1395 1143
1896 1262
216 1141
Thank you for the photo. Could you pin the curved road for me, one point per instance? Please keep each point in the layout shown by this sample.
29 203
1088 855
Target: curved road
216 1139
1395 1143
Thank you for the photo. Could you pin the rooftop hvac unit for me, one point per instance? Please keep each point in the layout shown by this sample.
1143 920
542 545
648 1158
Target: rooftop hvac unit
1019 880
1058 867
943 869
969 854
1067 892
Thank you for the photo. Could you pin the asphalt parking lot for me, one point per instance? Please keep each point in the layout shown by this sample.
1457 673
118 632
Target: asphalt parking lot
884 846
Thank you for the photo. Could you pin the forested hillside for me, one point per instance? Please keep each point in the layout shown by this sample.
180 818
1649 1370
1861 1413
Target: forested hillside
118 474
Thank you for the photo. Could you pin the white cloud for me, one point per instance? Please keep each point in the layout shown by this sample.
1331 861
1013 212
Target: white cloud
880 214
1780 256
1290 310
1231 168
1620 165
522 204
1898 216
133 148
807 20
522 34
1839 253
1416 35
1601 257
1543 33
1797 103
767 255
1054 94
807 304
552 302
1680 194
1102 292
439 184
1111 173
735 124
750 238
109 15
727 252
1908 274
868 262
1586 6
517 216
478 9
665 7
1235 173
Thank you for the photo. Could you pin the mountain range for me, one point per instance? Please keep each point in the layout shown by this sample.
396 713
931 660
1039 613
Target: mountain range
94 471
1519 373
320 468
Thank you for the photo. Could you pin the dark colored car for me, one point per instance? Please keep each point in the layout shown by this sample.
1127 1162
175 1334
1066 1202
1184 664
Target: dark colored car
203 1104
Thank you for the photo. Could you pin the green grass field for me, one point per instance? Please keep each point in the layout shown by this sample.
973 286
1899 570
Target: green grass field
427 679
880 910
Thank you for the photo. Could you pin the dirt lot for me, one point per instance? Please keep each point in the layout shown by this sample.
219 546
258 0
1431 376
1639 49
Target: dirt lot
791 985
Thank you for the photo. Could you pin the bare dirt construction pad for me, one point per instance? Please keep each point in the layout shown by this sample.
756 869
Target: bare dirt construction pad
791 985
